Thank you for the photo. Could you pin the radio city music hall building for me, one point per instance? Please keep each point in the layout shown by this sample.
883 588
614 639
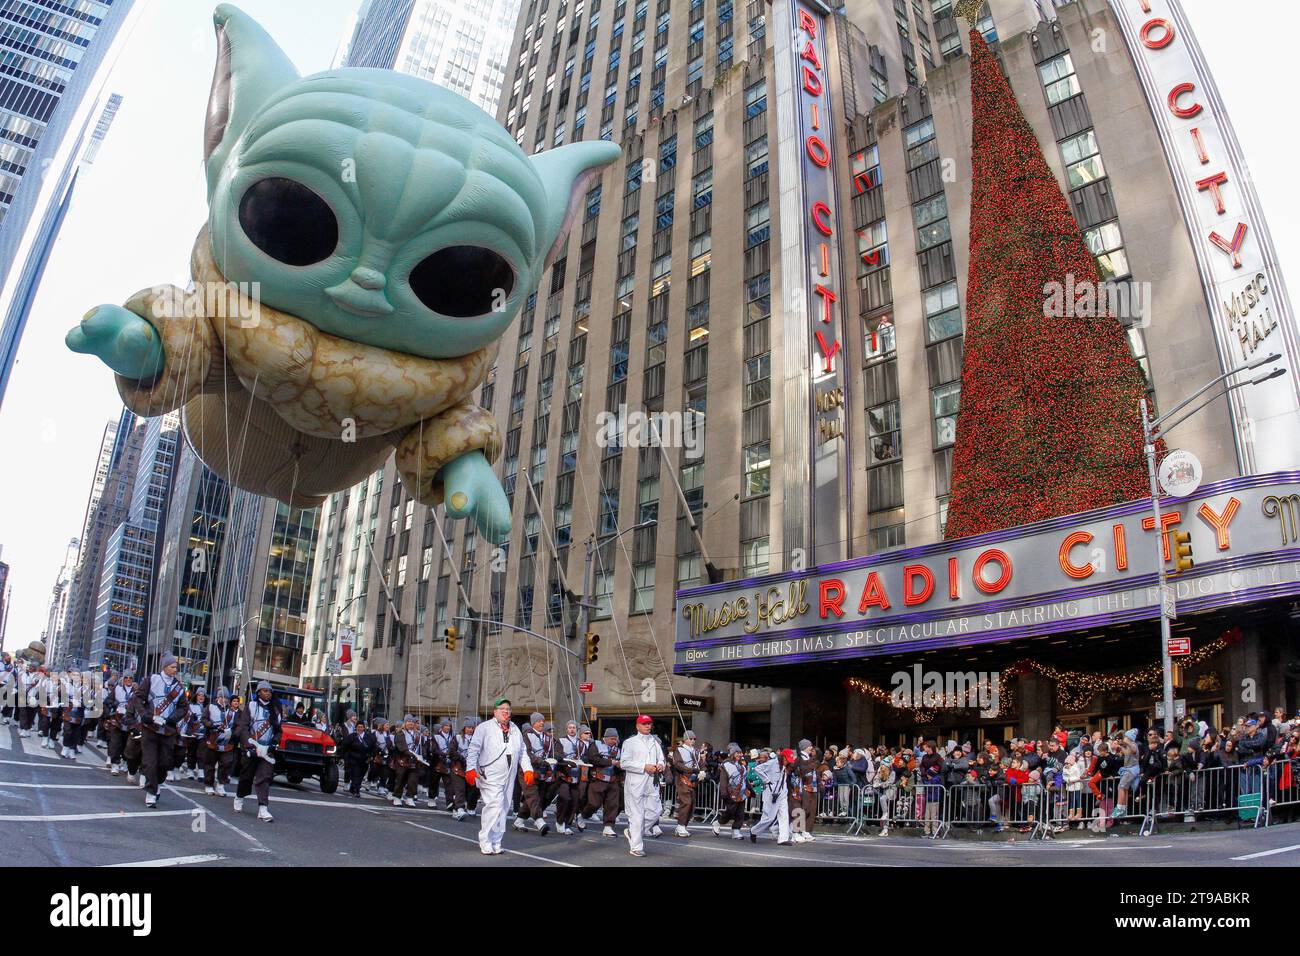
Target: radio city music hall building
778 268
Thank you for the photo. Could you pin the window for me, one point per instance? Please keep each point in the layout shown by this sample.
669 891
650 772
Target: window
692 483
758 298
609 512
1082 159
758 379
688 570
1059 81
945 400
921 144
757 223
1107 245
880 342
604 594
664 211
758 469
656 351
647 500
755 98
661 274
873 249
668 154
755 557
931 220
697 321
942 315
643 588
704 130
888 530
702 189
629 231
884 433
756 157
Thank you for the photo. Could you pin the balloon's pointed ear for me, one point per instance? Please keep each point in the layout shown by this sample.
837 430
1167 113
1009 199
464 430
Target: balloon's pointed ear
567 172
250 68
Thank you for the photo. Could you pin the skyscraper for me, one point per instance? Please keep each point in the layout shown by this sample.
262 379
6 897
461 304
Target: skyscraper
189 559
107 505
52 635
461 46
57 58
130 552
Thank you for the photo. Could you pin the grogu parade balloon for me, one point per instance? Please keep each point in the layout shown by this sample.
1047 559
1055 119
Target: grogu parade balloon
370 236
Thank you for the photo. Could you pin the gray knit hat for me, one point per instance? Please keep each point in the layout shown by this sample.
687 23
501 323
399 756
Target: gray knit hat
264 685
610 732
223 692
534 717
805 744
409 719
167 661
583 729
689 735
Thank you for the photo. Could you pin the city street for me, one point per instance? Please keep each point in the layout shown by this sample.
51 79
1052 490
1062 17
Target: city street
66 813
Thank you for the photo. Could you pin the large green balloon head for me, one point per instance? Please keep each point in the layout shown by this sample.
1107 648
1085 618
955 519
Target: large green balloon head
377 206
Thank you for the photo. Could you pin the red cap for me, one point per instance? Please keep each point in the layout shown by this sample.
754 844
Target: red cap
788 755
645 719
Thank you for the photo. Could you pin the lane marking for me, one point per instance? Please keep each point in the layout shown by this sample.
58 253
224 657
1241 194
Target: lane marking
258 845
6 738
833 861
171 861
67 786
456 836
64 765
1256 856
77 817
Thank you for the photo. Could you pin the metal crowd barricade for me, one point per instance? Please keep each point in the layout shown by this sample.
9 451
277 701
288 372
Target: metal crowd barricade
1281 791
707 800
841 804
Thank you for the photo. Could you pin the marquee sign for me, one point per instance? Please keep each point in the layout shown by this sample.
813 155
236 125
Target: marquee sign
1063 574
815 386
1250 311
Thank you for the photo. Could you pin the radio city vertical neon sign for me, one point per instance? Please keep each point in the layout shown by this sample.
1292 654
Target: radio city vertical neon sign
1158 33
815 121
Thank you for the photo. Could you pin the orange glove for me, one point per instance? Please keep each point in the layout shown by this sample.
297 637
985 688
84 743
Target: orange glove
528 778
471 777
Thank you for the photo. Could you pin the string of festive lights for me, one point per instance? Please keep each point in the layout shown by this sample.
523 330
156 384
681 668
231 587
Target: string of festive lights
1074 689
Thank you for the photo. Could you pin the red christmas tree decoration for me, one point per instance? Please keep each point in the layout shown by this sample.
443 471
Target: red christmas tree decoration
1049 422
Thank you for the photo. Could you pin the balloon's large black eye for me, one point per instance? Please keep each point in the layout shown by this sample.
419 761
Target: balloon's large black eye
462 281
288 222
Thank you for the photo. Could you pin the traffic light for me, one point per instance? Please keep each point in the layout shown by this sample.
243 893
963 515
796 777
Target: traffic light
593 647
1182 542
450 634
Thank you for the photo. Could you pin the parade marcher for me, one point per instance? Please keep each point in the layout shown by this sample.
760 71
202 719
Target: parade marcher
218 752
29 695
803 791
734 792
341 733
8 688
440 746
534 797
642 762
569 771
378 774
258 731
358 749
74 716
51 707
116 704
686 776
193 731
603 787
469 793
774 771
496 753
160 709
406 757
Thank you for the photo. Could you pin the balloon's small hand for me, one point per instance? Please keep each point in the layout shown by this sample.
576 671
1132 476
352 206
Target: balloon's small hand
122 340
471 488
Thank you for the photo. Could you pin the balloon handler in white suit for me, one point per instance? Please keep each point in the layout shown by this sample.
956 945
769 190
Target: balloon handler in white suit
496 753
642 761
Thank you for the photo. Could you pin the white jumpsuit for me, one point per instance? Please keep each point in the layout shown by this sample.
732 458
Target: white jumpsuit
496 758
776 803
641 799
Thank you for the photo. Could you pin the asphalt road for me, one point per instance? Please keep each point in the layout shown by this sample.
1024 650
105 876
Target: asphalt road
73 813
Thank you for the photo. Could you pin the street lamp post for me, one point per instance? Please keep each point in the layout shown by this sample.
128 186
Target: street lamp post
244 661
1154 429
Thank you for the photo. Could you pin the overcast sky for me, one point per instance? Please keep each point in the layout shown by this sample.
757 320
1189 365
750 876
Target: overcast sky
139 207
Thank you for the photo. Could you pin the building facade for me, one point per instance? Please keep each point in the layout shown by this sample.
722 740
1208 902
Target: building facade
189 560
107 505
58 610
126 580
57 57
768 337
462 46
